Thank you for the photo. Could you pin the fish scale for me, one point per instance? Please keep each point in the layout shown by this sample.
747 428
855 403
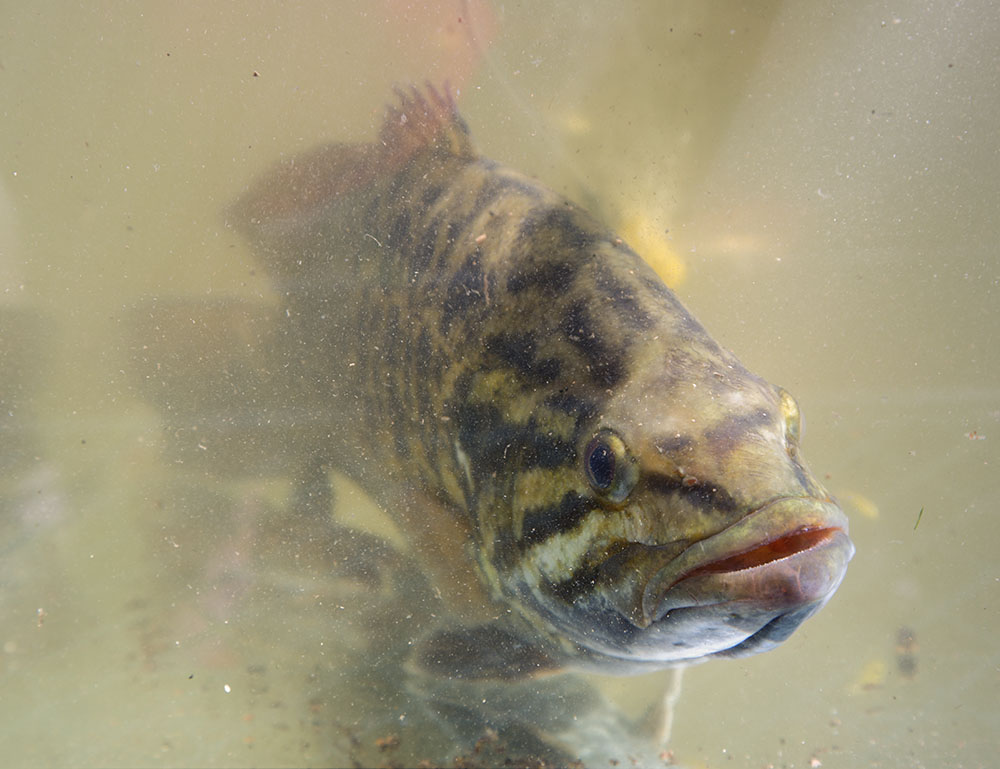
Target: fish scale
566 447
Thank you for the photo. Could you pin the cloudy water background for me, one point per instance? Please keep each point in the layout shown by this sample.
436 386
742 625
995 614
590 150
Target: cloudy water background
819 182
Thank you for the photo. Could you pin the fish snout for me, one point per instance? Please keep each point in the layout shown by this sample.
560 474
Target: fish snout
764 574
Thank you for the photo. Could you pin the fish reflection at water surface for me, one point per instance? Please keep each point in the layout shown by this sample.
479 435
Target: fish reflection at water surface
583 477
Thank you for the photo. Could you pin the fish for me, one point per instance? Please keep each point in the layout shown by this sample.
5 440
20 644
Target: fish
585 476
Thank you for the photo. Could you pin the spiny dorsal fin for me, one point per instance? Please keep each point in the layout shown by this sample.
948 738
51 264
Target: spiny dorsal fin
284 211
425 119
302 183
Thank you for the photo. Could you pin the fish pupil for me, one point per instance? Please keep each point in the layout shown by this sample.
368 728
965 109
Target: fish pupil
600 465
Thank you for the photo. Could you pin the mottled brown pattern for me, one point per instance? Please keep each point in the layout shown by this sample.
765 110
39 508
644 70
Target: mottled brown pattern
470 332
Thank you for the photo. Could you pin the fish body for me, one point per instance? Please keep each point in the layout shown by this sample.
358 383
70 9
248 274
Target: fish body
587 476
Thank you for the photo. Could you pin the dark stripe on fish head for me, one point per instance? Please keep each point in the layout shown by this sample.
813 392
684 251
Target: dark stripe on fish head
607 365
465 291
548 279
558 229
623 299
540 523
519 349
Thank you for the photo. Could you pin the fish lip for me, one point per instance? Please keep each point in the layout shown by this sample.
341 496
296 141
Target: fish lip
792 529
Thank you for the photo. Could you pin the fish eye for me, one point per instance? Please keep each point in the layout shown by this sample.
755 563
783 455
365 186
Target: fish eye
792 418
600 465
608 466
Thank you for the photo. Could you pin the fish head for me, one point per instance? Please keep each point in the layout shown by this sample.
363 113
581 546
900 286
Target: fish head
707 535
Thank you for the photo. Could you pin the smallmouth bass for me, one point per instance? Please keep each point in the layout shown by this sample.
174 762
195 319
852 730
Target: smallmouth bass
588 478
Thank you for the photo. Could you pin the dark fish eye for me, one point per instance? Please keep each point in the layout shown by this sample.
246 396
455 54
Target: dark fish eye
600 465
610 469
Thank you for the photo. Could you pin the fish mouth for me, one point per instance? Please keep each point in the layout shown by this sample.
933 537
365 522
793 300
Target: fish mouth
787 557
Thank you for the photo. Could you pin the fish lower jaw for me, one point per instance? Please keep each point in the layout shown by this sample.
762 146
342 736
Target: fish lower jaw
735 613
785 582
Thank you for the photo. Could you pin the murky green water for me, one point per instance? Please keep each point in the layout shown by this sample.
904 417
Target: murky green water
826 177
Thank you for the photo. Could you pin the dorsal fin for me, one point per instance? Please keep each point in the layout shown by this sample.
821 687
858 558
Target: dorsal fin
298 185
426 119
284 211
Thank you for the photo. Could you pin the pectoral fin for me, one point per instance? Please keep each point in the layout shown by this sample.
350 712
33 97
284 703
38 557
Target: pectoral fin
488 651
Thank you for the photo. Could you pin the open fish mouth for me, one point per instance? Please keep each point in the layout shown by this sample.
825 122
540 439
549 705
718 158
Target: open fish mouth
741 591
785 558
